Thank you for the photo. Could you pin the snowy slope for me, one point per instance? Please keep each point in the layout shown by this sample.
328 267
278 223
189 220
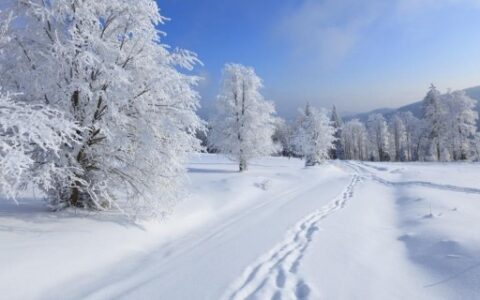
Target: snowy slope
344 230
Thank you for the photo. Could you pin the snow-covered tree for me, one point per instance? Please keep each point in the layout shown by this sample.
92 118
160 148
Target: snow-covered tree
399 138
283 136
102 65
379 137
337 122
476 147
413 135
461 124
434 114
314 135
355 140
244 122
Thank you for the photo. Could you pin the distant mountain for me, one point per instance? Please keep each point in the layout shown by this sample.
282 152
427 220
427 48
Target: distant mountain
415 108
364 116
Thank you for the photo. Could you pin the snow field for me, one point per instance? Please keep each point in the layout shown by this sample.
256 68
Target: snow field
341 230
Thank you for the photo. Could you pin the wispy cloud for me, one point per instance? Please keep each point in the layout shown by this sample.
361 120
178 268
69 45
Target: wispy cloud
413 6
329 30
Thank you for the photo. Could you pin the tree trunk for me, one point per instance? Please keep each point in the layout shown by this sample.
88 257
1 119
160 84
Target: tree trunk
242 165
78 197
74 196
439 154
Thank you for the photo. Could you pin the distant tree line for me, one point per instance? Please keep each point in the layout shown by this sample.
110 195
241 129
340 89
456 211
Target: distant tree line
447 131
243 128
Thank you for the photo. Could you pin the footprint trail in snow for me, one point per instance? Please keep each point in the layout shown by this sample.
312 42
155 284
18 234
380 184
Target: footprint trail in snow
275 275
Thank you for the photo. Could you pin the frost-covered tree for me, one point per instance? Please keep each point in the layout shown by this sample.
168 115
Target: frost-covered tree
379 137
434 114
103 66
314 135
399 138
244 123
413 135
337 122
476 146
355 140
461 124
283 137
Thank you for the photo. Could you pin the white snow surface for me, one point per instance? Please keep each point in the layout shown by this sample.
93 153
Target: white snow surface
341 230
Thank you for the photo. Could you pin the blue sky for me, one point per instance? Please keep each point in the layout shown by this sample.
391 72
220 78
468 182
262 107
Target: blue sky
358 55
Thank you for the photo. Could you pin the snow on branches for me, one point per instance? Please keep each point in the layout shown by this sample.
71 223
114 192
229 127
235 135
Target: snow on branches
102 65
450 125
314 135
447 130
244 122
30 137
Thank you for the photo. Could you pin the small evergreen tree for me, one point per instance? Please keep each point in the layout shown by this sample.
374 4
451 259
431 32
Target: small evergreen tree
337 152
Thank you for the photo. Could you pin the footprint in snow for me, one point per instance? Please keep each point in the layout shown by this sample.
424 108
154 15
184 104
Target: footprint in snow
263 185
302 290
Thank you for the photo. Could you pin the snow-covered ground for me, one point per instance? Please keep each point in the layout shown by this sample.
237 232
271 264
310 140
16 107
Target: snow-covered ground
343 230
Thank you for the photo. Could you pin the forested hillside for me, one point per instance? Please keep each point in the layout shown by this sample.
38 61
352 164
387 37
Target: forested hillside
415 108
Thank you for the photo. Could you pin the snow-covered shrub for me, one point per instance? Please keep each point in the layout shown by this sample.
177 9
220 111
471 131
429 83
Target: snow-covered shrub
244 122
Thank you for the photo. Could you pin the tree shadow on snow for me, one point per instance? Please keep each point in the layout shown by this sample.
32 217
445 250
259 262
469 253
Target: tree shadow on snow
210 171
447 260
33 210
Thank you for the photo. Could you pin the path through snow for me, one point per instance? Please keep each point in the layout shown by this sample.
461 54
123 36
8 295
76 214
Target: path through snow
275 275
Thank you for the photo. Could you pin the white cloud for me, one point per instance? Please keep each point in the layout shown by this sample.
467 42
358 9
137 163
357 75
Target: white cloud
413 6
328 30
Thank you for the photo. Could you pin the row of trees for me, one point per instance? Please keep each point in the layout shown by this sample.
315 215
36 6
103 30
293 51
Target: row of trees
447 131
245 127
